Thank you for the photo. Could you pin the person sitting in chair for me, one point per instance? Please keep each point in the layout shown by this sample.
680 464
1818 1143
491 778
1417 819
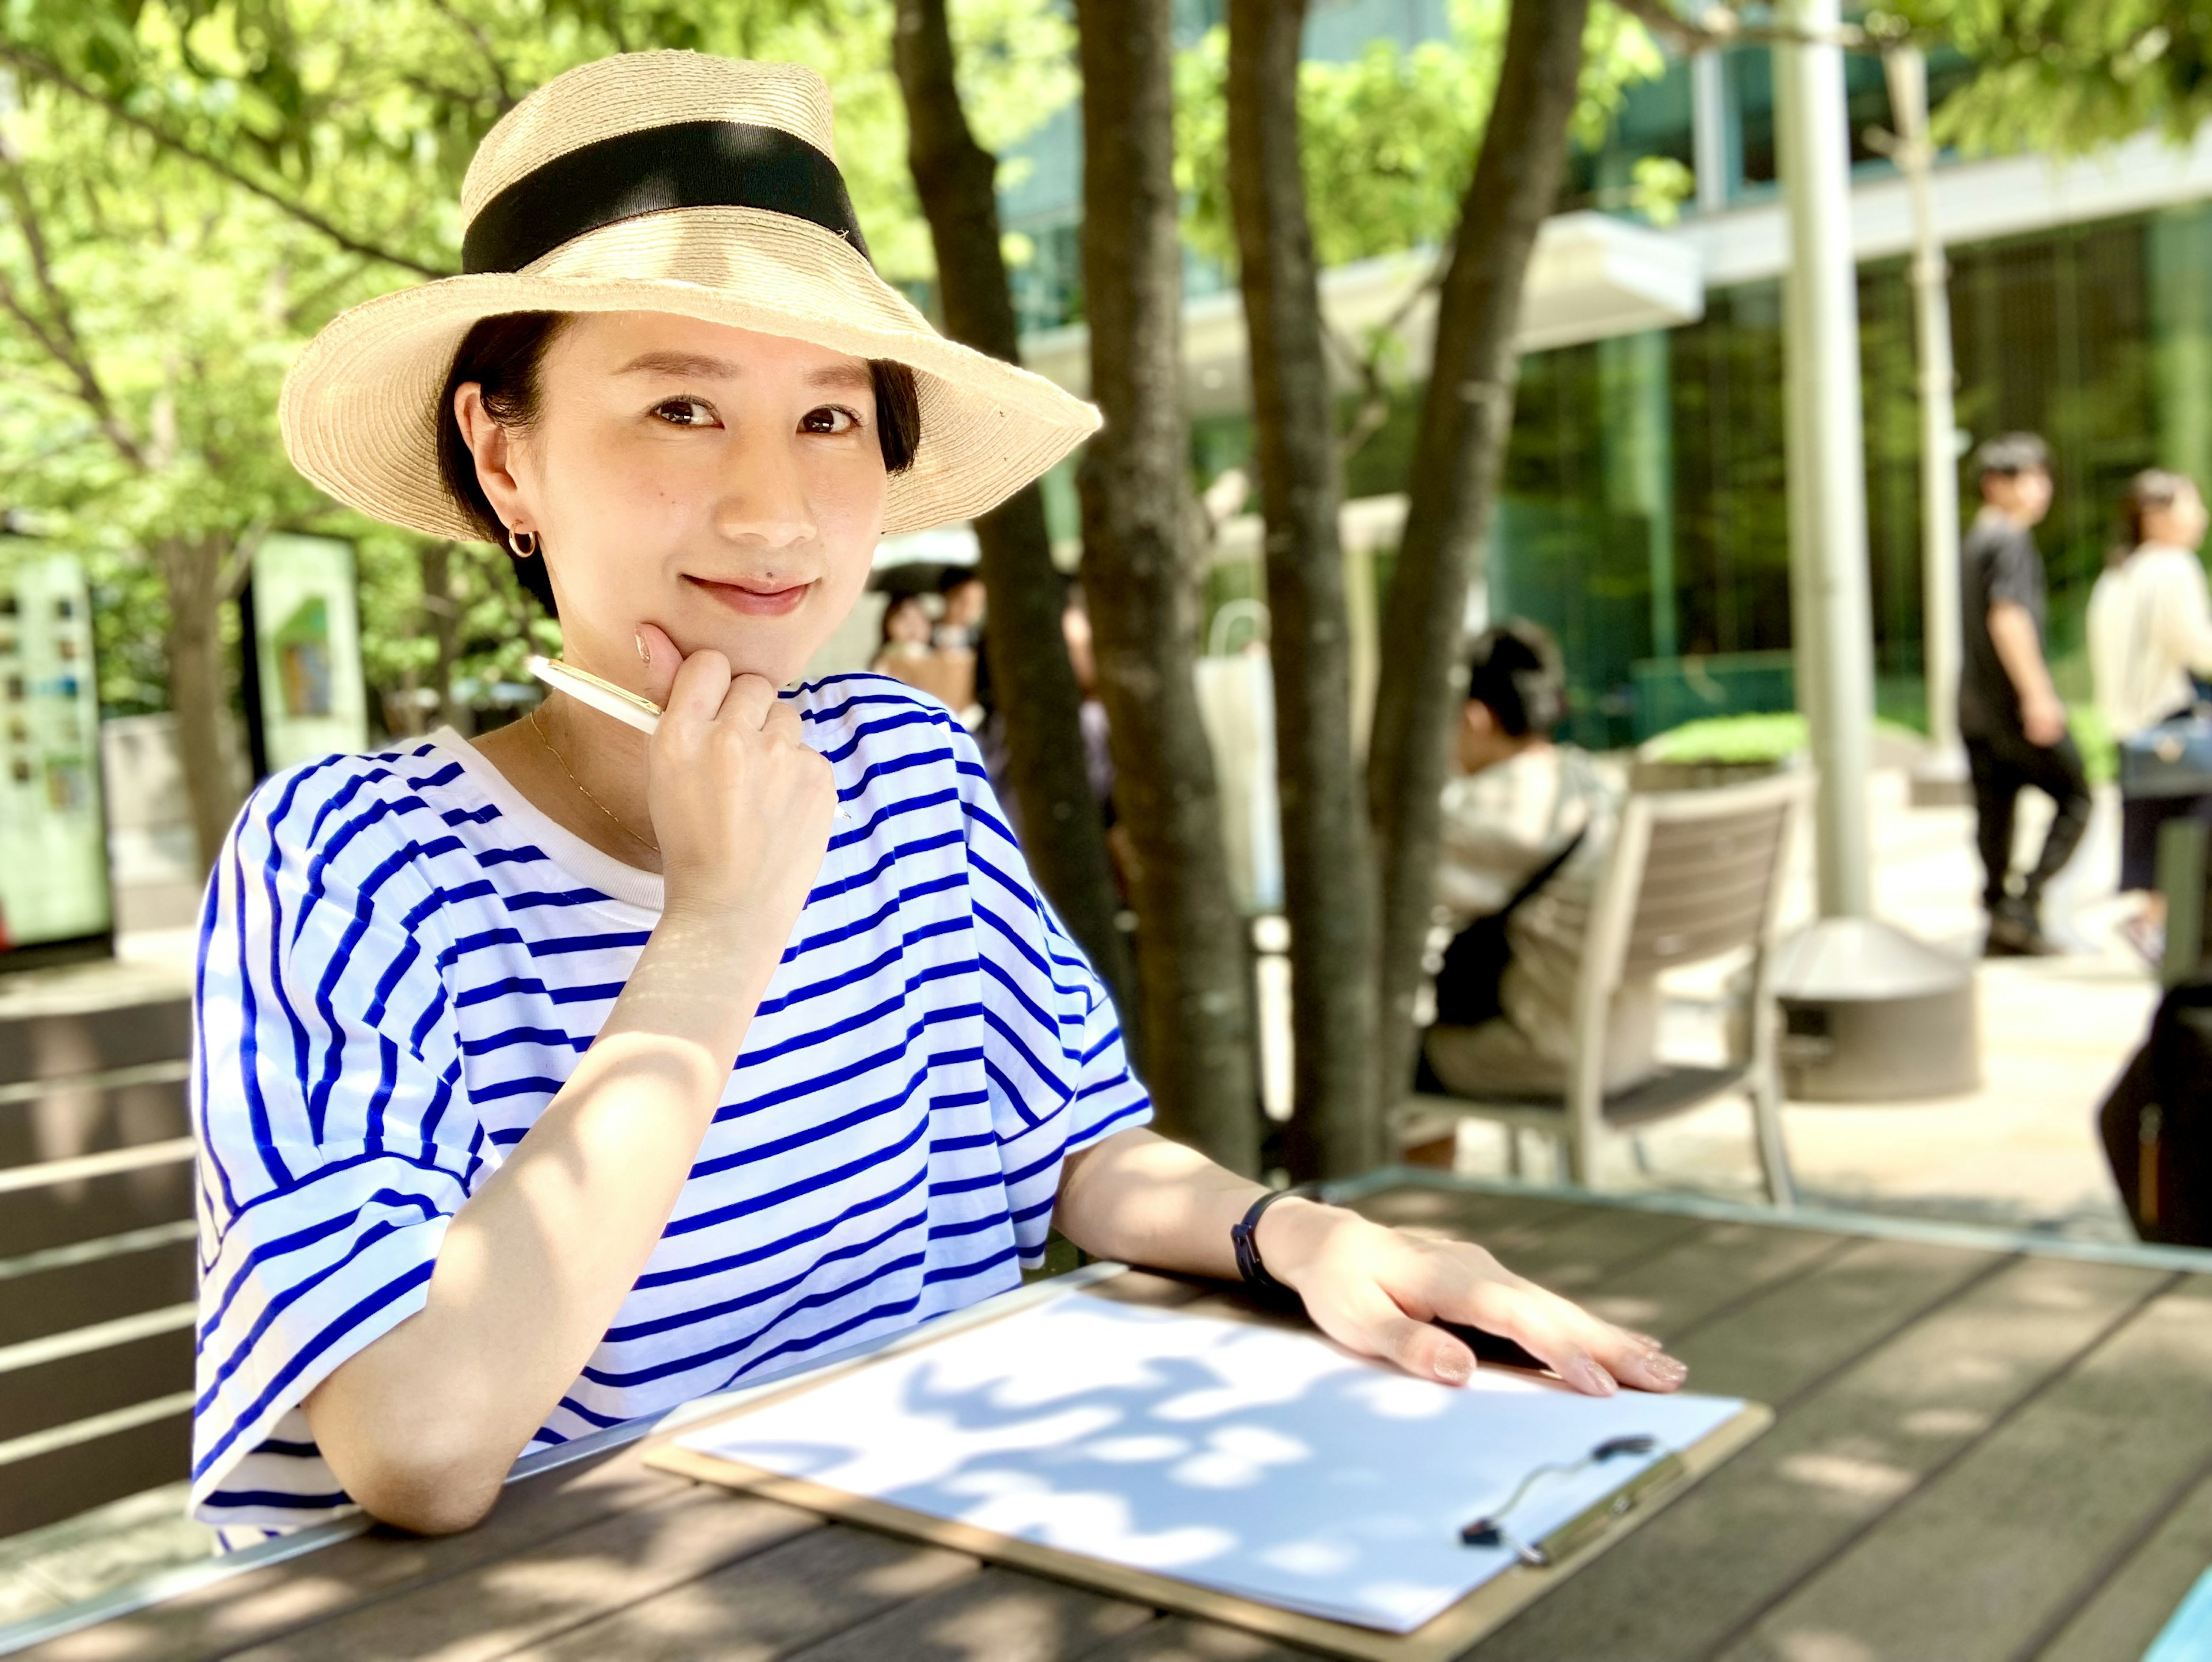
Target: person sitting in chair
1527 827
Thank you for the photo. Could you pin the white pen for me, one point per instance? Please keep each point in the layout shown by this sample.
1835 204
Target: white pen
631 709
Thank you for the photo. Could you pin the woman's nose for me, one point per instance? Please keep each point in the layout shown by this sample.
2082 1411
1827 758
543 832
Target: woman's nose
764 498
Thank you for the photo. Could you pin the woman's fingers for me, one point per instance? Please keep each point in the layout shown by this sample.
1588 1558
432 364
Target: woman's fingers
700 686
662 659
1590 1355
1377 1327
749 702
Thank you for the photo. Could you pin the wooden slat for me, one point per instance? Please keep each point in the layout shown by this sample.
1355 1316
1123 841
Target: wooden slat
79 1294
91 1119
1854 1447
1707 1272
1779 1347
35 1219
1590 1248
805 1591
2124 1615
999 1615
286 1598
56 1046
492 1610
1975 1566
1497 1218
48 1488
93 1382
1175 1639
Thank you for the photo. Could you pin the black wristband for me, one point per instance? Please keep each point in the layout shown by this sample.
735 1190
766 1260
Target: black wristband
1244 1238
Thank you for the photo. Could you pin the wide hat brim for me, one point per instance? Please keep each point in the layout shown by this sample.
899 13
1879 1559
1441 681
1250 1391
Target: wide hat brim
358 411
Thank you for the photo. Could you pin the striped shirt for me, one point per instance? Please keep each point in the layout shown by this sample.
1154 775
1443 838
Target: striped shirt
401 960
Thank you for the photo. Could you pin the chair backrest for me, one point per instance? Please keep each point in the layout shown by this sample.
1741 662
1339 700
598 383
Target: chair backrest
96 1253
1695 874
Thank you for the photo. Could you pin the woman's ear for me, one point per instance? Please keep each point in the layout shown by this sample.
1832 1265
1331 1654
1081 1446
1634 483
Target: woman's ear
494 447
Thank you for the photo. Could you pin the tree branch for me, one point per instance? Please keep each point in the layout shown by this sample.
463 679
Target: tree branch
58 335
32 63
474 30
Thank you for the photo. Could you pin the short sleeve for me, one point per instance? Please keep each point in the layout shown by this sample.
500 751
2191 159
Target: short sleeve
1058 1078
2016 573
335 1140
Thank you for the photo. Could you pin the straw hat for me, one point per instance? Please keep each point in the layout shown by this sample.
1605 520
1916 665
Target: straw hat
664 182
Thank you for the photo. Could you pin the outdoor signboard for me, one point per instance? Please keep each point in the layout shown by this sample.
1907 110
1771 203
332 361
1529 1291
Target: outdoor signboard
53 843
308 630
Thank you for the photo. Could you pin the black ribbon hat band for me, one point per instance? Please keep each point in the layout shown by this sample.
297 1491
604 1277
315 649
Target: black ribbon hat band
688 164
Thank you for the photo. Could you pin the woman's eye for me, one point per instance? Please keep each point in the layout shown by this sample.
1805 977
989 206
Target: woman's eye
830 419
685 412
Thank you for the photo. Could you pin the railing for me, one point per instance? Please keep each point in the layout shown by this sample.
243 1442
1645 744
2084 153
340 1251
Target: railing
96 1253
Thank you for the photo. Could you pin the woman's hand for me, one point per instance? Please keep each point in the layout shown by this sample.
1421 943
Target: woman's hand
1137 1198
741 804
1378 1292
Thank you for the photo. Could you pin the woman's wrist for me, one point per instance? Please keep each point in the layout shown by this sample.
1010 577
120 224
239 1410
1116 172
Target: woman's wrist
1294 1233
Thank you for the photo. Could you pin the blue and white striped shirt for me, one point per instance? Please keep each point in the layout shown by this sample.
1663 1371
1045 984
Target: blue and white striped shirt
401 961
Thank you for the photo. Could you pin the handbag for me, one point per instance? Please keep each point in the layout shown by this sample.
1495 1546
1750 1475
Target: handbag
1470 982
2173 758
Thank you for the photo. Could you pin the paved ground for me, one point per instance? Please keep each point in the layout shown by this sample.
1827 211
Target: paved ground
2021 1152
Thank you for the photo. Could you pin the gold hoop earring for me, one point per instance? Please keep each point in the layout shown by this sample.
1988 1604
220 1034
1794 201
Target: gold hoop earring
522 543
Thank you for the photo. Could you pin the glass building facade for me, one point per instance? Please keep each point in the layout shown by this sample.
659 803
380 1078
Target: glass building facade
1645 516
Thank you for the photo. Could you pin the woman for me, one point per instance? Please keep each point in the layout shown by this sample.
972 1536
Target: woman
545 1082
2150 631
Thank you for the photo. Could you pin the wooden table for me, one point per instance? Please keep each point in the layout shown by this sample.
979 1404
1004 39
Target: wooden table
1983 1452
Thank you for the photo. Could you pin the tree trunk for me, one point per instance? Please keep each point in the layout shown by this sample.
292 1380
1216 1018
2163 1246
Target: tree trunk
1459 455
1328 882
1062 833
437 569
1138 569
199 695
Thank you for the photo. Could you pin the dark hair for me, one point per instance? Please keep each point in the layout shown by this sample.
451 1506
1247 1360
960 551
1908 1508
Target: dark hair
897 601
2011 455
2149 492
504 354
1516 669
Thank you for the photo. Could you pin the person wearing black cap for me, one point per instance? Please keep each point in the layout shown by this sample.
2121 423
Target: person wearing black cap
2009 714
1527 825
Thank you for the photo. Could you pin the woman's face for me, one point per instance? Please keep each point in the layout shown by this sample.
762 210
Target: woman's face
907 622
2179 524
725 485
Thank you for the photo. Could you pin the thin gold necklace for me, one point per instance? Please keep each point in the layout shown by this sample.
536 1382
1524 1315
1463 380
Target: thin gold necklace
613 819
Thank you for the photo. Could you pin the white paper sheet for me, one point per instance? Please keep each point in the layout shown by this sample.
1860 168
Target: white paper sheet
1262 1463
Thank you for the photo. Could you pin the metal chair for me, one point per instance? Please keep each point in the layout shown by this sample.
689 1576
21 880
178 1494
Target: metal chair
1694 874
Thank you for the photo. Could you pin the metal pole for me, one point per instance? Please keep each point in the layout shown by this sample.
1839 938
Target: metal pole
1915 155
1827 443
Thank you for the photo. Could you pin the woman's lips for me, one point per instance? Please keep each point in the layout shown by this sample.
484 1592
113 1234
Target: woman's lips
749 602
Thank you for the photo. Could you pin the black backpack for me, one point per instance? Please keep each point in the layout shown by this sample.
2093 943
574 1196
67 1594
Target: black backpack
2157 1123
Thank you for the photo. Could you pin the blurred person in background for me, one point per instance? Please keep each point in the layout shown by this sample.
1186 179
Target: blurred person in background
958 638
2150 643
2009 714
907 655
1528 825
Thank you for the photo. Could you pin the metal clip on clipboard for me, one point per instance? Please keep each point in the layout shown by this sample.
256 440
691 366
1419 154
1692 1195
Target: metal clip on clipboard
1593 1519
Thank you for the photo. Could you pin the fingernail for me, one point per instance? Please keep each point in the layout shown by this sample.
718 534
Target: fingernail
1666 1370
1455 1370
1646 1343
643 657
1585 1375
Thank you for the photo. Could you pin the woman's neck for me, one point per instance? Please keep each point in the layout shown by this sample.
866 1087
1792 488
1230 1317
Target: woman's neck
584 772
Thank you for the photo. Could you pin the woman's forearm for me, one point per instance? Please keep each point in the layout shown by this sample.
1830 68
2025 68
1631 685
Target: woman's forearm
1141 1199
422 1426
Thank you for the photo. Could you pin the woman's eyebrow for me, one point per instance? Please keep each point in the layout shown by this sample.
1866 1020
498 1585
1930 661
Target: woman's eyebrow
680 364
849 375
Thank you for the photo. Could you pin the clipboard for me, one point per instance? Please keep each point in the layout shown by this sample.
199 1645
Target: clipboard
1567 1546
